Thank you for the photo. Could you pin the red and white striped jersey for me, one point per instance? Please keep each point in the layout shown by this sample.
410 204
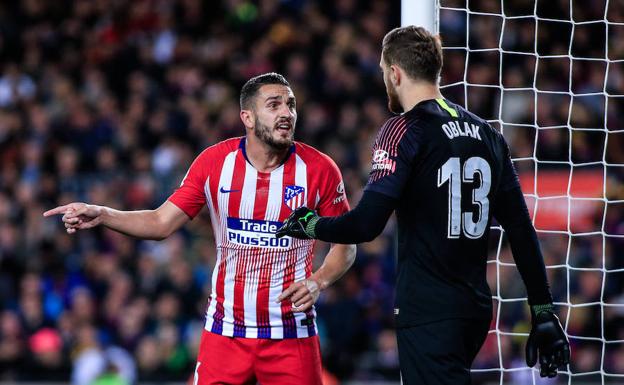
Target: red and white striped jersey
246 208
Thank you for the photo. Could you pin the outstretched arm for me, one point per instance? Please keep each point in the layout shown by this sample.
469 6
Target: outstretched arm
381 194
362 224
145 224
303 294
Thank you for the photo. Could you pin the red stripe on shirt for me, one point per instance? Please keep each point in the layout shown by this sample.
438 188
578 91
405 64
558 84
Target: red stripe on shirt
395 137
262 195
288 319
236 189
395 133
388 140
217 326
262 258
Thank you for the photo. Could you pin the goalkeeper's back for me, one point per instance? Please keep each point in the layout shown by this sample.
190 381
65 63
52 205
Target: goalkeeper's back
445 166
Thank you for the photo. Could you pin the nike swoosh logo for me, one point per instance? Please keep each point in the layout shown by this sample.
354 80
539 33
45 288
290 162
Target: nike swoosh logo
224 191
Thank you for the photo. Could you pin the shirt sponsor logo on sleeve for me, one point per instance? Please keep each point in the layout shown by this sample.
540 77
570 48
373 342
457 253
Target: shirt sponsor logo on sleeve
338 199
340 190
380 156
382 161
253 232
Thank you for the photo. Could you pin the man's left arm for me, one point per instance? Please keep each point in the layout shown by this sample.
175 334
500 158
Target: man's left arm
303 294
547 340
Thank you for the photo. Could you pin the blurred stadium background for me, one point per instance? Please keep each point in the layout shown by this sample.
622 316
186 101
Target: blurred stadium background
108 101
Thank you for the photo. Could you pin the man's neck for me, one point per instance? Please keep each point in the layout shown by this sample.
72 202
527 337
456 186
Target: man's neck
416 93
263 157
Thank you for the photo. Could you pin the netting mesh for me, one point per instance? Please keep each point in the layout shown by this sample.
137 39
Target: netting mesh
550 75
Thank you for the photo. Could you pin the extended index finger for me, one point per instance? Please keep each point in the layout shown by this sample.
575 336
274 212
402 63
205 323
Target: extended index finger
56 210
285 294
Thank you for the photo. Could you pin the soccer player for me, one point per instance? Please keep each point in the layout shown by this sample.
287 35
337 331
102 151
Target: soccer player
260 324
445 172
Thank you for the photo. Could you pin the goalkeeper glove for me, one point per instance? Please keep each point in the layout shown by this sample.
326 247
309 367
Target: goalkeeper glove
548 340
299 224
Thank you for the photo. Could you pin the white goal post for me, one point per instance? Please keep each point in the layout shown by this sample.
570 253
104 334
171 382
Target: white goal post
550 76
423 13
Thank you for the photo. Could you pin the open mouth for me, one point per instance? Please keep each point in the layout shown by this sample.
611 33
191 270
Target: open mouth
284 127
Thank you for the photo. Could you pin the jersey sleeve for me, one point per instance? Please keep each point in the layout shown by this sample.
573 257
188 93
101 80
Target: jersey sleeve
394 152
190 196
332 197
509 177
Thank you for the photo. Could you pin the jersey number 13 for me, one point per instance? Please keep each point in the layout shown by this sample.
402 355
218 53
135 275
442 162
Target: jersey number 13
451 171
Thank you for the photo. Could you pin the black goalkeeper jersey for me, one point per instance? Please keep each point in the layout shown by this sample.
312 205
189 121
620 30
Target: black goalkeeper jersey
445 167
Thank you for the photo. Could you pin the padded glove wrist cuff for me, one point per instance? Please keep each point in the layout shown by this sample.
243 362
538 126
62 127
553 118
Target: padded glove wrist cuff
310 227
537 309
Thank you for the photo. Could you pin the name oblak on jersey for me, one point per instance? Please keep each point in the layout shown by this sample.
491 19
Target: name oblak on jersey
453 129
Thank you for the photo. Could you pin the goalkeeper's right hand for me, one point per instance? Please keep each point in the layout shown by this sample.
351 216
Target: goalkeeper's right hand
299 224
548 340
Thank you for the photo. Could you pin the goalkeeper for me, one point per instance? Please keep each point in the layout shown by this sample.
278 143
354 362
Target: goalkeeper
445 172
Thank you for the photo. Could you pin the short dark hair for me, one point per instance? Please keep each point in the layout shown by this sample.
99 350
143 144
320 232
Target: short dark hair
415 50
251 87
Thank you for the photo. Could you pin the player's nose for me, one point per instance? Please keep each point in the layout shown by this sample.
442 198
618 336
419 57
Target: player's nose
286 112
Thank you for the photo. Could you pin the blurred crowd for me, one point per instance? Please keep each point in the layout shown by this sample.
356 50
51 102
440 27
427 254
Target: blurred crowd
109 101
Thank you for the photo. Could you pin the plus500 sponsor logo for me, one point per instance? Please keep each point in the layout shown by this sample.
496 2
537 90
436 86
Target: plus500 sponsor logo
257 233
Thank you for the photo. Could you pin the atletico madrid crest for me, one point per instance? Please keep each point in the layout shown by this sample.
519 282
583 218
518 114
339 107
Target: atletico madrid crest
294 196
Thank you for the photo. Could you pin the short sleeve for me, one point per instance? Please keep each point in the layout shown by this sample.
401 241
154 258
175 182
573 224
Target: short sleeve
190 196
332 199
394 151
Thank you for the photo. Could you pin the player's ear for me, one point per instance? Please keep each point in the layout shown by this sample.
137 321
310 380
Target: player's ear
395 75
248 118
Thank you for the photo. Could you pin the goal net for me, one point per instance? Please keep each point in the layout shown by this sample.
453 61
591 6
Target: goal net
550 75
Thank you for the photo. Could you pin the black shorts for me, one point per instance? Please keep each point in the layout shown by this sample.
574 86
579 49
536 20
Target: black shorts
441 352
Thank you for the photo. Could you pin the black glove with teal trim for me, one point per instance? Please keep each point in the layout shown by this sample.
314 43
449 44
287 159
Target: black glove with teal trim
548 340
299 224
